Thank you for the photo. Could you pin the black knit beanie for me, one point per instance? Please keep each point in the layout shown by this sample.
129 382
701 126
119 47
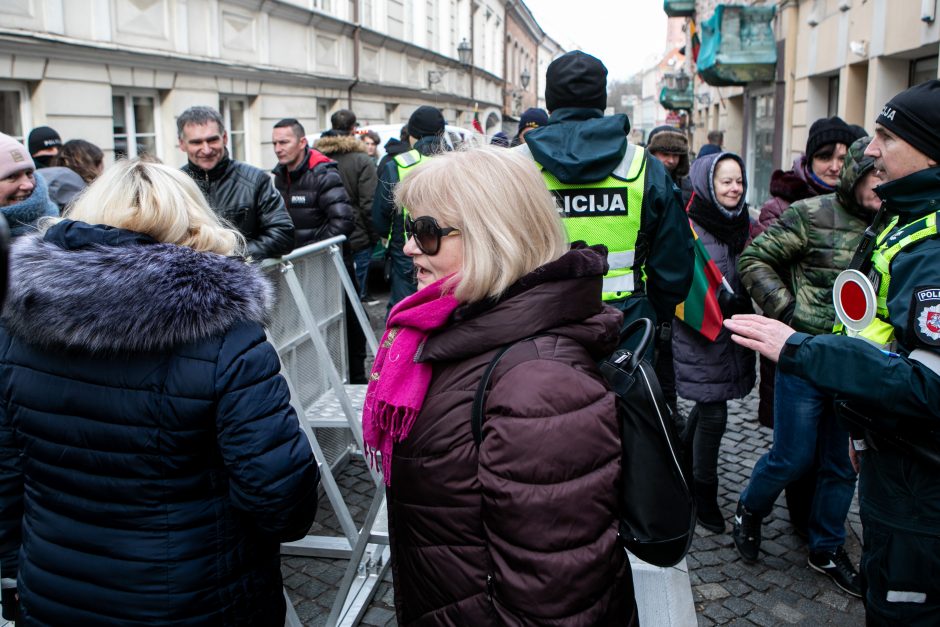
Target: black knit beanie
43 137
426 121
914 116
825 131
576 79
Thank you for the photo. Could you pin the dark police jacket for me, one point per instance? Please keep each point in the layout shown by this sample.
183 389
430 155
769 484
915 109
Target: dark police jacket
315 198
900 388
244 195
150 460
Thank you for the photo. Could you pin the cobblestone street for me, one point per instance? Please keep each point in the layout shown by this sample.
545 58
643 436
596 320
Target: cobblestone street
780 590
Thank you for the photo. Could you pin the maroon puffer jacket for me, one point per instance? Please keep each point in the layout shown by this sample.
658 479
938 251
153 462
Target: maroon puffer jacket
524 531
786 187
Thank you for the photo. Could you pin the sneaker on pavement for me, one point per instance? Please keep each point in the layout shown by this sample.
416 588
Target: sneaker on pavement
369 301
746 533
839 567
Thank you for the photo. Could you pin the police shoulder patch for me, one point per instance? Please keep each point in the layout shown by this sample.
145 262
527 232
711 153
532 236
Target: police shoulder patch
925 315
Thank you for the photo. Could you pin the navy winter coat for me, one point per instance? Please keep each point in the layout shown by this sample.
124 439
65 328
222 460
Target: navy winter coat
150 461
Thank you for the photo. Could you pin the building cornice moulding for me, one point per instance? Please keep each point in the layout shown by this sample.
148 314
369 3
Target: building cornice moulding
31 43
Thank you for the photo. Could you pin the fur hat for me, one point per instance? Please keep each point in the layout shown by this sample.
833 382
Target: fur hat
576 79
671 141
13 157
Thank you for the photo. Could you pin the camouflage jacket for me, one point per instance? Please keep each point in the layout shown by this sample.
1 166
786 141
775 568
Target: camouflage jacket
789 270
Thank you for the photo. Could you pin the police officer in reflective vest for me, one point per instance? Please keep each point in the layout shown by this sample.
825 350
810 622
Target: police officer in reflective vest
888 369
610 192
425 130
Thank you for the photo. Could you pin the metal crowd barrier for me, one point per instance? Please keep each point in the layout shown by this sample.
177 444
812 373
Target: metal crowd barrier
308 330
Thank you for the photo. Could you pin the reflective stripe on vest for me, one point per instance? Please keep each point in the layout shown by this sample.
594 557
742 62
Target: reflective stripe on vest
607 212
889 243
405 163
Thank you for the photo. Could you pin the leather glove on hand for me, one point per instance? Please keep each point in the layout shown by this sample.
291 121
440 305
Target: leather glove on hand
731 304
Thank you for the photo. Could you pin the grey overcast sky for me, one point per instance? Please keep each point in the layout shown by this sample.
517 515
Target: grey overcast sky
627 35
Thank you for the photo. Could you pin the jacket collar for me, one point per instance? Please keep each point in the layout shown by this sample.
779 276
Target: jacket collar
312 158
580 145
431 145
107 290
914 195
214 174
563 296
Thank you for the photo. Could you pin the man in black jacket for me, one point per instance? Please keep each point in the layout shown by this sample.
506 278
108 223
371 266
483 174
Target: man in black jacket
311 185
313 190
238 192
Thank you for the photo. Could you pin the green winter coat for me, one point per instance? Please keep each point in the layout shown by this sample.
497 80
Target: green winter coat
790 268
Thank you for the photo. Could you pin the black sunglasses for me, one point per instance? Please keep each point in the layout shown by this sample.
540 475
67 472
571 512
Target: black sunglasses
427 233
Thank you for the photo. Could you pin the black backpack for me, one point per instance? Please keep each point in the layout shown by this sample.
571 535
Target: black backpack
657 510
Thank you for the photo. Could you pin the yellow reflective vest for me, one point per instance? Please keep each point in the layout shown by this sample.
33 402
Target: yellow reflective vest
608 212
889 243
405 164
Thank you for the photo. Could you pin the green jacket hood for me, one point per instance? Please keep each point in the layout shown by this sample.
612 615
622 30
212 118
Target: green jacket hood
580 145
856 166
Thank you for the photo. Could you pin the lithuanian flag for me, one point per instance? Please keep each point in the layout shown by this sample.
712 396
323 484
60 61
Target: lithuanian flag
700 309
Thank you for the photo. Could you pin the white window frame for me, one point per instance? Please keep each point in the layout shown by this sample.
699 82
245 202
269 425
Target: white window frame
225 108
131 128
26 118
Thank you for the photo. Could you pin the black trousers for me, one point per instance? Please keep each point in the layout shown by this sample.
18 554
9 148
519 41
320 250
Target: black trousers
355 338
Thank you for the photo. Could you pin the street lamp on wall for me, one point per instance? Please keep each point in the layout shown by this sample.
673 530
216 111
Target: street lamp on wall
465 52
525 77
682 80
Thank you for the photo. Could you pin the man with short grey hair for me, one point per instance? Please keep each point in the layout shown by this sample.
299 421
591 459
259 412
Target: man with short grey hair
240 193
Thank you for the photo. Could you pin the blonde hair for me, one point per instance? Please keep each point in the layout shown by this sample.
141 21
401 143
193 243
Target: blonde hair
497 198
157 200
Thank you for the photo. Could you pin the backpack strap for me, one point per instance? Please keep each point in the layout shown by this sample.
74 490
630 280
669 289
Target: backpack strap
479 399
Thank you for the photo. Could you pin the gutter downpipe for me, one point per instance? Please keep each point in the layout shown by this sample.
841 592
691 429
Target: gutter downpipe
474 7
357 28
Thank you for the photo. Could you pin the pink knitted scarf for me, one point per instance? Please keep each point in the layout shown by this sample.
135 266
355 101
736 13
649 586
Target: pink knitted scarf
399 382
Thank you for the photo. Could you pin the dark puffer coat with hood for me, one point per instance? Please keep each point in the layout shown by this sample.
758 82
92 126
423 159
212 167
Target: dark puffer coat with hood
522 531
358 172
790 269
150 461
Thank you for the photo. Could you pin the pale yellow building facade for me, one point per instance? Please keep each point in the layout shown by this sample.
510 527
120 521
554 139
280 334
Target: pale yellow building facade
118 72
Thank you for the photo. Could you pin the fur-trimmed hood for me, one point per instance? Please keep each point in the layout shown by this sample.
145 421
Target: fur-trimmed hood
102 289
339 144
795 184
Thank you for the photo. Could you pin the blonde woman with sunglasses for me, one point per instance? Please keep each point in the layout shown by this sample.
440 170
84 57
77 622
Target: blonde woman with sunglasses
522 527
